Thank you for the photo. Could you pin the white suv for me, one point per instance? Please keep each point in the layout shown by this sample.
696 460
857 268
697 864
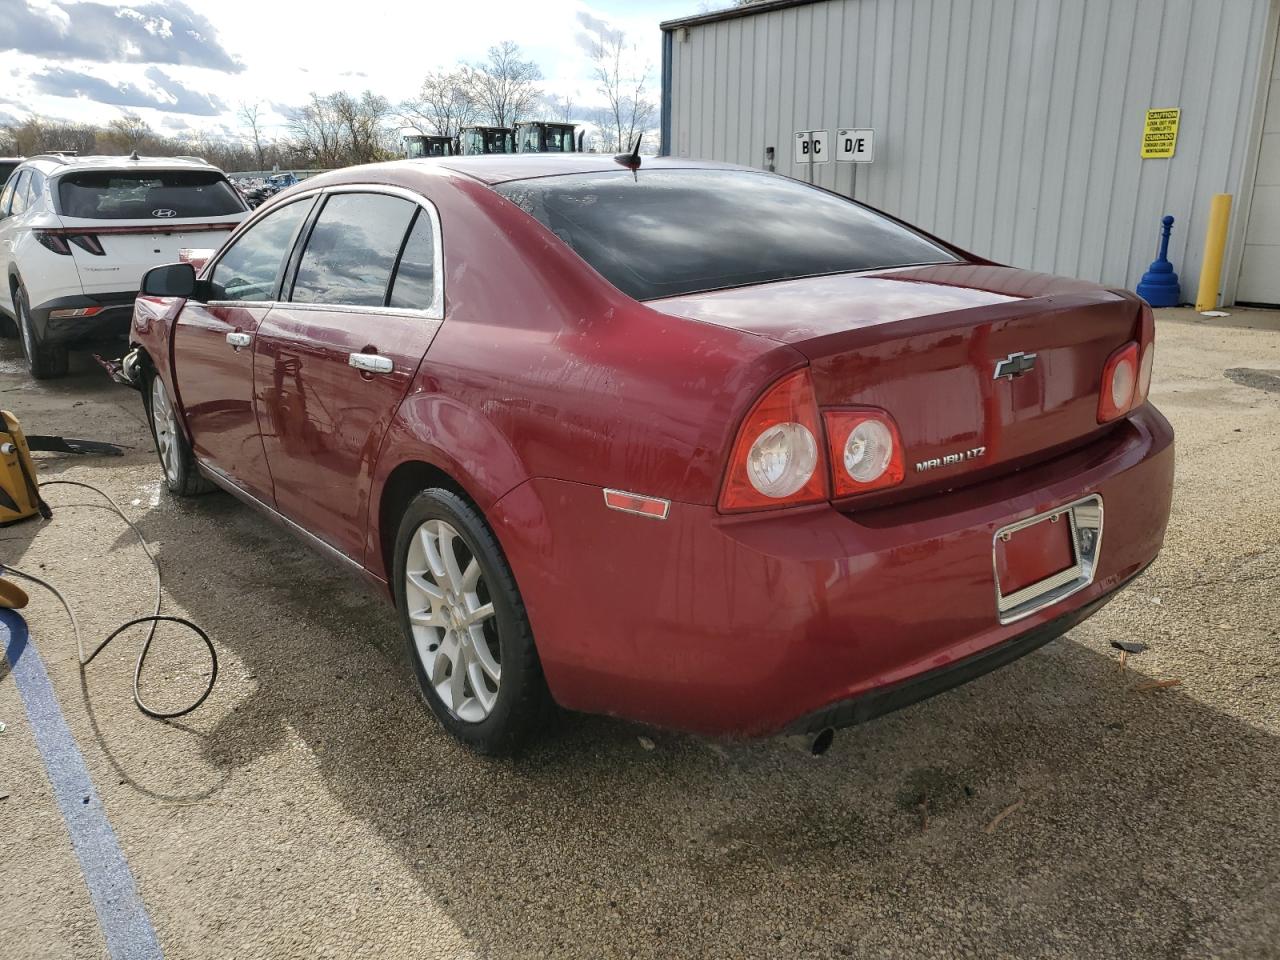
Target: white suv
78 233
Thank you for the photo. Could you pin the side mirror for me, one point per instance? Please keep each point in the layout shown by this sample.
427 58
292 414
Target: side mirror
170 280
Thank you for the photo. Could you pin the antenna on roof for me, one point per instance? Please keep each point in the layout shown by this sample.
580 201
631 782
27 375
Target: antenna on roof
134 155
631 160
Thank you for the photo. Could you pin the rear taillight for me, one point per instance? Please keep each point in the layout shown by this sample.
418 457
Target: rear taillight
59 242
865 450
52 241
88 243
1119 392
778 458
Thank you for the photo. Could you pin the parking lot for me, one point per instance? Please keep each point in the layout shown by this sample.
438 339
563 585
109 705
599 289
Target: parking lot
312 807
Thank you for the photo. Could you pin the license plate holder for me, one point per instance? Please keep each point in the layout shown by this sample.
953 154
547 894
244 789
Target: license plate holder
1046 558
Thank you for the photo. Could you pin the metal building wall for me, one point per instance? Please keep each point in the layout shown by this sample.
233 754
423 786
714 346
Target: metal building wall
1010 127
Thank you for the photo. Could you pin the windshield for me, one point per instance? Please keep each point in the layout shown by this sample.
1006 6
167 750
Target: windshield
528 138
559 139
670 232
146 194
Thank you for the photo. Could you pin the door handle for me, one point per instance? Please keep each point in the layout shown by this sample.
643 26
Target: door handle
371 362
239 340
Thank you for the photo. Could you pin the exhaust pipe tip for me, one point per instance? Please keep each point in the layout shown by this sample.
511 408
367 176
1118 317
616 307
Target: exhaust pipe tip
813 744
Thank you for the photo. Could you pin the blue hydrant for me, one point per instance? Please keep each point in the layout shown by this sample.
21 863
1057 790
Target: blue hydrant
1159 285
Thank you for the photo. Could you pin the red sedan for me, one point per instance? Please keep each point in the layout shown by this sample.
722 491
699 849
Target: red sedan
690 444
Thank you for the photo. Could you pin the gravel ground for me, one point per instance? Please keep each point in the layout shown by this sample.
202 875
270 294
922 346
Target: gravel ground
312 808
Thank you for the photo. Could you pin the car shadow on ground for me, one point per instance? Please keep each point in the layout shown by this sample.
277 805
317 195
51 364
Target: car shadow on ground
1142 811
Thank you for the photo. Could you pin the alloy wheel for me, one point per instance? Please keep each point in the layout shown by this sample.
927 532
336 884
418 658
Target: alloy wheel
452 617
166 428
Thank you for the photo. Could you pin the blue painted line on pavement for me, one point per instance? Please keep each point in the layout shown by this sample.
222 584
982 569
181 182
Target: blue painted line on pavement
125 925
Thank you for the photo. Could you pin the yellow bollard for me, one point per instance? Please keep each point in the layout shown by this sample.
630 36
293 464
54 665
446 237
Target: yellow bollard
1215 241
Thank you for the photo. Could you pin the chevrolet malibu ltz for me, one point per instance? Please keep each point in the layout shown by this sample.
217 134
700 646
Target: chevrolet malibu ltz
698 446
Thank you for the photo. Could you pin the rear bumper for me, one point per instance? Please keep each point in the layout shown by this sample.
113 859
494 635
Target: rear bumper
809 617
113 320
878 702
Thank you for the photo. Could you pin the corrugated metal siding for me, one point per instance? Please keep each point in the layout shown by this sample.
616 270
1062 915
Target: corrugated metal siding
1260 261
1010 127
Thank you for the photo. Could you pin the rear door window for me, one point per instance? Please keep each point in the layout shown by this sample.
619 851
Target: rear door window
250 268
414 286
6 198
19 202
146 195
664 233
352 250
35 188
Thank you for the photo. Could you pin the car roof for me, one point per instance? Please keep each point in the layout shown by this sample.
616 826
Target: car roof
502 167
54 164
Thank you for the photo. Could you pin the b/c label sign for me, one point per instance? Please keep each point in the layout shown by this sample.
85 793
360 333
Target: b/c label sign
811 146
856 145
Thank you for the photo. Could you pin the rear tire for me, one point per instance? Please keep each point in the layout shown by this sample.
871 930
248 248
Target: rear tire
46 361
466 628
176 459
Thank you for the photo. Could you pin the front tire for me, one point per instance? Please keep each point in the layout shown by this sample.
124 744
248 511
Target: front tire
176 459
46 361
467 631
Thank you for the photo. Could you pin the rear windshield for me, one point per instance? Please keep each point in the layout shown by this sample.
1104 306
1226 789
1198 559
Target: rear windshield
146 194
670 232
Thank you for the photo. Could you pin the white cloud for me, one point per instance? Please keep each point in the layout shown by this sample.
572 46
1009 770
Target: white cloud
388 47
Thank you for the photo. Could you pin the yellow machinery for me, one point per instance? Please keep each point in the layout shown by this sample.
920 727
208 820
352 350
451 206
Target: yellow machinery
19 495
19 490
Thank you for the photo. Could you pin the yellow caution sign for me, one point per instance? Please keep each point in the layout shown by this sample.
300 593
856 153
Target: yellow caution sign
1160 135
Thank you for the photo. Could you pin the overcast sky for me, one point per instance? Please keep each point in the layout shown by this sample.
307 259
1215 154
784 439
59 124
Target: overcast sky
90 60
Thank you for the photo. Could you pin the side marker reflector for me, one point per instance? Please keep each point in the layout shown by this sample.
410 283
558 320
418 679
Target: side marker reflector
76 313
652 507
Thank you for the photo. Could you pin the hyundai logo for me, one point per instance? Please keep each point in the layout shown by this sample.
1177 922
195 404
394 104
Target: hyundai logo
164 212
1015 365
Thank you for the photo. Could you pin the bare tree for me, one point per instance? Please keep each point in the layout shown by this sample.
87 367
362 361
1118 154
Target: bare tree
445 102
317 132
36 135
364 124
559 108
127 132
622 79
341 129
250 115
505 85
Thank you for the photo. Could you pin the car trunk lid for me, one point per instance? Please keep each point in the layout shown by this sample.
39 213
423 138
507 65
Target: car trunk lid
984 368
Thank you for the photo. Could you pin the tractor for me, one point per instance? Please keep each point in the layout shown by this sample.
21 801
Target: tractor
424 145
541 136
477 139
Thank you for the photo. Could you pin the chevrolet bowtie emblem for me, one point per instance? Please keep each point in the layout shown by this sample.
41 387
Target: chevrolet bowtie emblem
1015 365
